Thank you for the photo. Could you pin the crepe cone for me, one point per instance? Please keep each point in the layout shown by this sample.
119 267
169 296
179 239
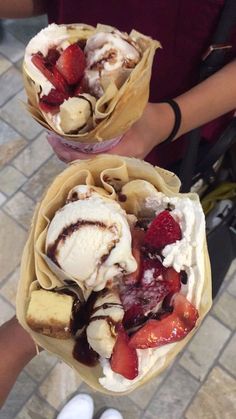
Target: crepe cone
102 172
118 108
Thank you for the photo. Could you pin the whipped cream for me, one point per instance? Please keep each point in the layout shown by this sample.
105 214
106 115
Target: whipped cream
90 240
186 254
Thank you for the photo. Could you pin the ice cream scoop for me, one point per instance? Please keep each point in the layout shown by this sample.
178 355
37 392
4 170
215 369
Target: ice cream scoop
109 54
101 332
89 239
76 112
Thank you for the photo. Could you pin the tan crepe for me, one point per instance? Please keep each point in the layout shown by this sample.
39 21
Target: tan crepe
102 171
117 109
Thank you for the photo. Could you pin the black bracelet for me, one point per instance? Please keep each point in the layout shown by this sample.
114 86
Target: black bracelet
178 118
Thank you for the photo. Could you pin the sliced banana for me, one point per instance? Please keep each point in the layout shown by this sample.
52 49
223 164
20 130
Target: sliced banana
101 334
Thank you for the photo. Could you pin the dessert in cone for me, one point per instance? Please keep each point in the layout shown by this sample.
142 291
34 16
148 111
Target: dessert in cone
88 84
115 275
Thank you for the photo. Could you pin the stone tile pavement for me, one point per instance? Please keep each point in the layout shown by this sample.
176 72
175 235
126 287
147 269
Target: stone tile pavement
201 384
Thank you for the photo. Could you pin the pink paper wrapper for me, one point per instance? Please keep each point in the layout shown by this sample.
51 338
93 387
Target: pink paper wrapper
93 148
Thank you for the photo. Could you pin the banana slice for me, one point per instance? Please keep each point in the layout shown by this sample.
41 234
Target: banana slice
76 112
101 333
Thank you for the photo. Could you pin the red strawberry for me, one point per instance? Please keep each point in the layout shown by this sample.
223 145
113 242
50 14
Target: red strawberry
52 101
171 328
173 279
152 270
78 90
51 73
162 231
139 301
137 241
71 64
52 56
124 360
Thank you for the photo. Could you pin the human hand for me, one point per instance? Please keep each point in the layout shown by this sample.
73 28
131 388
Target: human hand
150 130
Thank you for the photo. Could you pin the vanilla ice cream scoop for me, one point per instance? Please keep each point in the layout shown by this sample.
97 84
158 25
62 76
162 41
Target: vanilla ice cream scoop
101 333
90 240
76 112
109 54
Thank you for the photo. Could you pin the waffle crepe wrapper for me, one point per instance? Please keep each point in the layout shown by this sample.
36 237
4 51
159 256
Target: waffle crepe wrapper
132 96
33 264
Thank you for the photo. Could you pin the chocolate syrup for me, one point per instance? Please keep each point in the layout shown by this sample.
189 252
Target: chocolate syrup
81 317
83 352
122 197
183 277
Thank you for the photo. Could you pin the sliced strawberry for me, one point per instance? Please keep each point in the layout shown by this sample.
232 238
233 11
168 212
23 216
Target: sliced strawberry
173 279
50 72
172 328
152 271
137 241
71 64
78 90
54 97
162 231
52 101
52 56
124 359
139 301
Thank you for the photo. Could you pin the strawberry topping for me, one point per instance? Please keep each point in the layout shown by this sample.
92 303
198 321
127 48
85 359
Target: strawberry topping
173 279
52 101
171 328
152 270
137 240
124 359
71 64
139 301
162 231
50 72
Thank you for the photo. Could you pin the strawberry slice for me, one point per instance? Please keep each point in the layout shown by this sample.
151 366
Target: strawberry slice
139 301
124 359
52 56
152 270
52 101
71 64
173 279
171 328
137 241
162 231
50 72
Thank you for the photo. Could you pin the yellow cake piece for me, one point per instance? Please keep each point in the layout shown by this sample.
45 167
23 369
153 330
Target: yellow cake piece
50 313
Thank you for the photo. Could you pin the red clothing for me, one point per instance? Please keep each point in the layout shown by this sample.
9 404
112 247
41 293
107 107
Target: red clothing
184 28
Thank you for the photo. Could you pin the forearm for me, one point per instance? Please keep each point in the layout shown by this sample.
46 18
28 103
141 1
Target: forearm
12 9
203 103
16 350
208 100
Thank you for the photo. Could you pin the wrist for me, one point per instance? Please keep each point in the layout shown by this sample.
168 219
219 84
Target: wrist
163 120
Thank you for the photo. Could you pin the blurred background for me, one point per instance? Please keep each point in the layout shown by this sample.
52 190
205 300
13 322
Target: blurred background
202 381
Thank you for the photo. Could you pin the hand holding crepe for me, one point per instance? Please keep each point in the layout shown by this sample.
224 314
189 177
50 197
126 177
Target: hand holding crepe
115 237
82 80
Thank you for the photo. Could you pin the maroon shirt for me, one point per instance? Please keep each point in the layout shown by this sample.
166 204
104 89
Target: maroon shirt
184 28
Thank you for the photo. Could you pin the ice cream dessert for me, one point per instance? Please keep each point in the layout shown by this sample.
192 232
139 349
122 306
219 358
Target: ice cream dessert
127 254
109 56
74 74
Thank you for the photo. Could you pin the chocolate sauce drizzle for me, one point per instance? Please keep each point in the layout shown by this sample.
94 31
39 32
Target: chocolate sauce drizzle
66 232
82 351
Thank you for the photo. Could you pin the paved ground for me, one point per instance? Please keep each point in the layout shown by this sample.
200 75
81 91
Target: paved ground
202 381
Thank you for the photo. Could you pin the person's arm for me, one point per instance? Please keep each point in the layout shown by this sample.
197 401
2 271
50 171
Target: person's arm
16 350
203 103
13 9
